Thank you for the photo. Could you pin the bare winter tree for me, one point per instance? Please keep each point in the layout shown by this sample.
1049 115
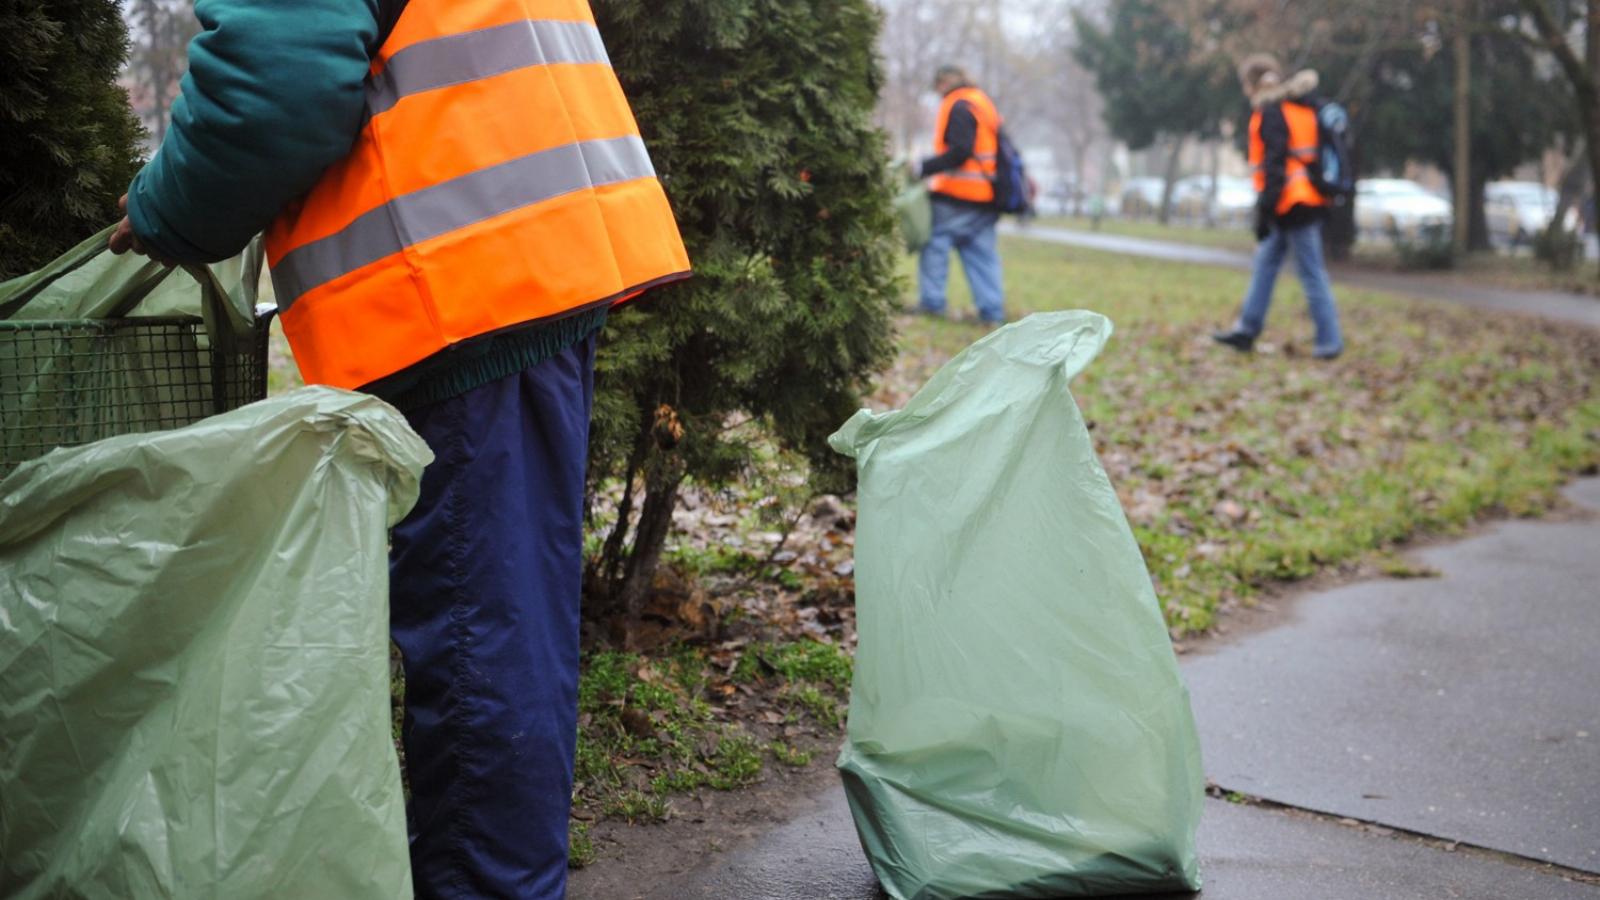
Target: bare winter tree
159 32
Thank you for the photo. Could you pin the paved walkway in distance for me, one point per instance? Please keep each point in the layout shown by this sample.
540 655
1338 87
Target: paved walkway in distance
1462 707
1574 308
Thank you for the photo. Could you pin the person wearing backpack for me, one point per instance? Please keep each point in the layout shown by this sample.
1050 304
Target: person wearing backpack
962 175
1287 153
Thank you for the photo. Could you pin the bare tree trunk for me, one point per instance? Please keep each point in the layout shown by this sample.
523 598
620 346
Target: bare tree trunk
1477 217
655 522
1164 215
1579 72
611 555
1464 212
1211 189
1588 95
1080 168
1573 184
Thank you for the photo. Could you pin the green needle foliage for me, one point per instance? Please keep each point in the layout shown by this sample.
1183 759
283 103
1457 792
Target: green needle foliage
758 117
69 149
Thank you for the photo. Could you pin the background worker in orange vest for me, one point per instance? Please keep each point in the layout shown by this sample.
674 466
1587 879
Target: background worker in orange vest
454 194
962 171
1289 210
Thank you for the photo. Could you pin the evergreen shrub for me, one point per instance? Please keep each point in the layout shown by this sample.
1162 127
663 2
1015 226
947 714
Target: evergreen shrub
758 115
70 144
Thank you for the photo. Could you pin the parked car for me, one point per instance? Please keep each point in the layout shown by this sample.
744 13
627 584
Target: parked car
1141 197
1398 206
1059 196
1234 203
1517 211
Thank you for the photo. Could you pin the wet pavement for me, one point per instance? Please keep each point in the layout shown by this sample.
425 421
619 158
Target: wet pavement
1463 707
1574 308
1247 853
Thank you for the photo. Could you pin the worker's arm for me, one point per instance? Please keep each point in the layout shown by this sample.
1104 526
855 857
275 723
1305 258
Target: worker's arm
960 136
273 96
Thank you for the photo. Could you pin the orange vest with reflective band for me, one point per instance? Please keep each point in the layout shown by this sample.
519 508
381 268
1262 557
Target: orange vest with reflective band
499 180
974 181
1297 187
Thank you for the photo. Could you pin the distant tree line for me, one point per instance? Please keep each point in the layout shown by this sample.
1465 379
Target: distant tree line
1165 69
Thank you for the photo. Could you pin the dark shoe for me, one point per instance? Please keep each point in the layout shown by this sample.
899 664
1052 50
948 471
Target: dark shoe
1236 339
1328 354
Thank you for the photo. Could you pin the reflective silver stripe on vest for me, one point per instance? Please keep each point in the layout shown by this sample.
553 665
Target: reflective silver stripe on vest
460 58
457 203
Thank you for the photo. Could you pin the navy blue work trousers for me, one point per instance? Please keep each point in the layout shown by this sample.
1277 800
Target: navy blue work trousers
485 580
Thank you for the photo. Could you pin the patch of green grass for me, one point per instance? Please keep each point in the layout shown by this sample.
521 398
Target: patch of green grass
698 562
712 561
808 661
580 847
789 580
789 755
1238 471
821 705
1395 567
736 762
647 730
637 806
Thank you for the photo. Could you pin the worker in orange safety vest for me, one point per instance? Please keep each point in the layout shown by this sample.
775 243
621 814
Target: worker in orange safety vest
961 177
454 193
1290 209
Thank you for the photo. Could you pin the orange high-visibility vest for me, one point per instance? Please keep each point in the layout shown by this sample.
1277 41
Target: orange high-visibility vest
498 180
1298 189
974 181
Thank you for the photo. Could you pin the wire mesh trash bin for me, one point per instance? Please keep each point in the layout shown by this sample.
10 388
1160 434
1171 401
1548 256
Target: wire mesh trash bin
172 347
65 383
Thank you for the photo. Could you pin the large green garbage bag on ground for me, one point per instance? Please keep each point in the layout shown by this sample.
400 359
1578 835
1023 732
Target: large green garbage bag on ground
1017 724
194 659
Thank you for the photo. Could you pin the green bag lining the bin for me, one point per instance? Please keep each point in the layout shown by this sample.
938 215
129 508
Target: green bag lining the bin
90 282
194 659
1017 724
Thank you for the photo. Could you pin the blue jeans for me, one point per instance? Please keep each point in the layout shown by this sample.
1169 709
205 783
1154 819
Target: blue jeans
485 578
1306 240
970 231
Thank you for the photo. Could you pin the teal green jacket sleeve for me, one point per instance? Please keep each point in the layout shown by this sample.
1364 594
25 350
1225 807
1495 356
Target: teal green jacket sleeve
273 96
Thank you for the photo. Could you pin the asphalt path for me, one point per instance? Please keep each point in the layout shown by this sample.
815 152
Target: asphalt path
1424 738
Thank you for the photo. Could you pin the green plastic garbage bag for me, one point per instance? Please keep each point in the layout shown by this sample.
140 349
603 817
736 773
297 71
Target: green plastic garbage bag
194 659
915 209
1017 724
90 282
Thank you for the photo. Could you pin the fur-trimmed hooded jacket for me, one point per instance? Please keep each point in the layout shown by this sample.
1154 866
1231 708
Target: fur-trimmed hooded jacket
1269 99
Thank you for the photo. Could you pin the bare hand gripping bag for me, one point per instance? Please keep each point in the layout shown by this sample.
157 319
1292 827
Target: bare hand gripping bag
194 659
1018 727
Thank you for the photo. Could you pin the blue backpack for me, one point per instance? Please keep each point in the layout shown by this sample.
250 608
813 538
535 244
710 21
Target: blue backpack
1013 189
1334 175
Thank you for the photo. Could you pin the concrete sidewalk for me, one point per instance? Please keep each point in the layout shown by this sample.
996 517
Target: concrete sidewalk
1463 708
1573 308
